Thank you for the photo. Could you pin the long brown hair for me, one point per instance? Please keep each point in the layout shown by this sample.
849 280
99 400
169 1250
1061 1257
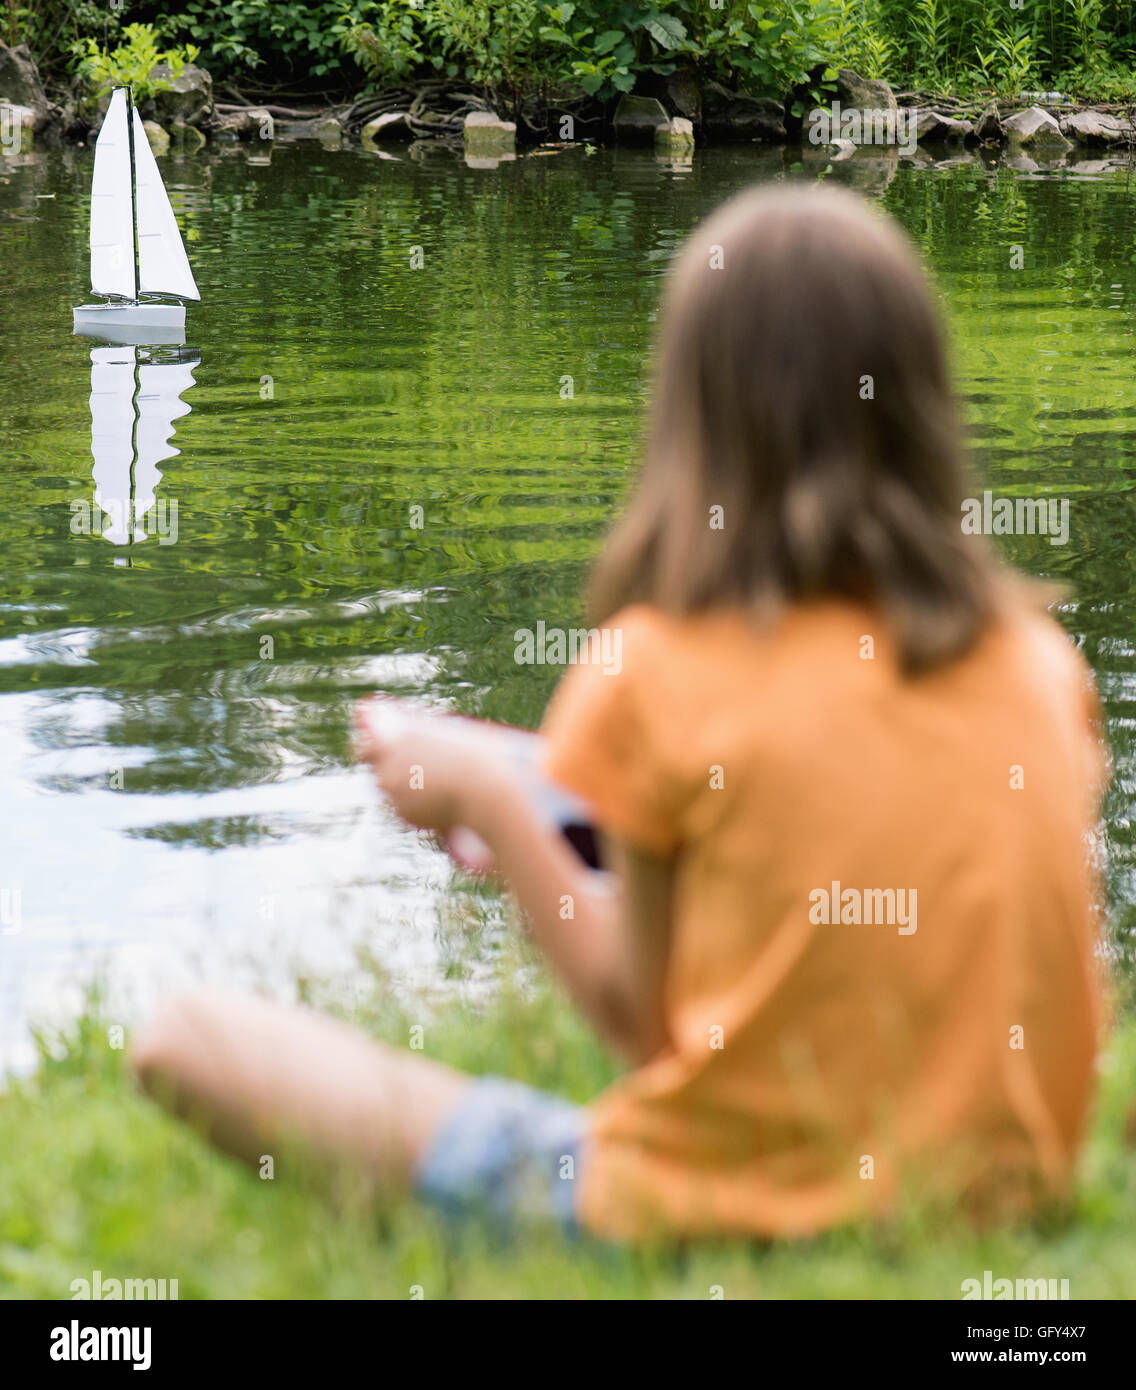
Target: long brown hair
801 387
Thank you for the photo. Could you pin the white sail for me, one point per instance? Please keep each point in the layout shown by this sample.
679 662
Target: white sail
163 266
133 408
112 219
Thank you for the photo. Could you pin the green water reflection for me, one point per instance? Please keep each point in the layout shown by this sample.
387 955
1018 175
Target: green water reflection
378 336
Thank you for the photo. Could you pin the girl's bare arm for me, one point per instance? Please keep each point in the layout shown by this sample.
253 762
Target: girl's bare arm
606 936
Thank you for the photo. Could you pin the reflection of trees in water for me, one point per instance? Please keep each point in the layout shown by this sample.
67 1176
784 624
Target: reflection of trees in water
440 388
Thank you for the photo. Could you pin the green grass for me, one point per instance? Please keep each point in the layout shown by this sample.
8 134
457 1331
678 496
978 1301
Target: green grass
92 1176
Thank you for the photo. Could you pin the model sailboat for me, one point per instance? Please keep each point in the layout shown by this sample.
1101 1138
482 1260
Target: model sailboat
136 248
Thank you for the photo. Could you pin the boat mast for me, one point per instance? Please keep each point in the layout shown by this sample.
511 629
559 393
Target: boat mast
134 440
133 191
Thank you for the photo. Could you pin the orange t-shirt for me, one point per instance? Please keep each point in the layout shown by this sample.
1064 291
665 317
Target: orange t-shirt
881 976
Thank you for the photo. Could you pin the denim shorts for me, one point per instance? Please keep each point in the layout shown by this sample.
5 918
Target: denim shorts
508 1154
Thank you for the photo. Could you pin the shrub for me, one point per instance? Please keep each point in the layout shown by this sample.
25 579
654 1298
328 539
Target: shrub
611 46
131 63
286 38
52 28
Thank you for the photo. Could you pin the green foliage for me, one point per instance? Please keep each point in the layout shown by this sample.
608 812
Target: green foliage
388 44
606 46
768 49
1088 37
52 28
613 46
480 40
859 39
131 63
284 39
475 40
949 44
603 46
1005 60
1103 81
284 36
928 36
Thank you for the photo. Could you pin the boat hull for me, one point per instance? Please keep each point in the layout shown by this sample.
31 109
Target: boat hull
132 323
158 315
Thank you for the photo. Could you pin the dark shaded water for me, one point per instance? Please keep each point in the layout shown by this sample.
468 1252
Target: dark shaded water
176 792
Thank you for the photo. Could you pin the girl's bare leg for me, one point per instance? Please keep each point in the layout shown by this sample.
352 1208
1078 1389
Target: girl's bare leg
256 1075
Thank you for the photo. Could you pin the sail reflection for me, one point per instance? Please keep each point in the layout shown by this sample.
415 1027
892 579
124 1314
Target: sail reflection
135 399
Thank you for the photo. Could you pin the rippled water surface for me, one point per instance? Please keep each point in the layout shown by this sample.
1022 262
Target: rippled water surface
378 336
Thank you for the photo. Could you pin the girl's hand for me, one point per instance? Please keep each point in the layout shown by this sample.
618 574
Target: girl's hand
466 780
431 770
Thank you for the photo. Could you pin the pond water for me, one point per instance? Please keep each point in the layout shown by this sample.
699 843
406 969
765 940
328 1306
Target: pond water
377 336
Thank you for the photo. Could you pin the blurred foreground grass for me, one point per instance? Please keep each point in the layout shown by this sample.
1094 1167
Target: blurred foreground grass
92 1176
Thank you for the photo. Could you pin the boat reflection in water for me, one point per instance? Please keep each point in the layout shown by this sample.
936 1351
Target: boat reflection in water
136 395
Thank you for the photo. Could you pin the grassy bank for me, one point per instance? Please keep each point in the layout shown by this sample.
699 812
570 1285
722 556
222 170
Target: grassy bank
94 1177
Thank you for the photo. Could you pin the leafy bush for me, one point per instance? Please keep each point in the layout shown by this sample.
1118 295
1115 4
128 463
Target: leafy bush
482 40
950 43
131 64
860 38
614 43
388 44
603 46
767 49
1005 59
288 36
52 28
612 46
1102 82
